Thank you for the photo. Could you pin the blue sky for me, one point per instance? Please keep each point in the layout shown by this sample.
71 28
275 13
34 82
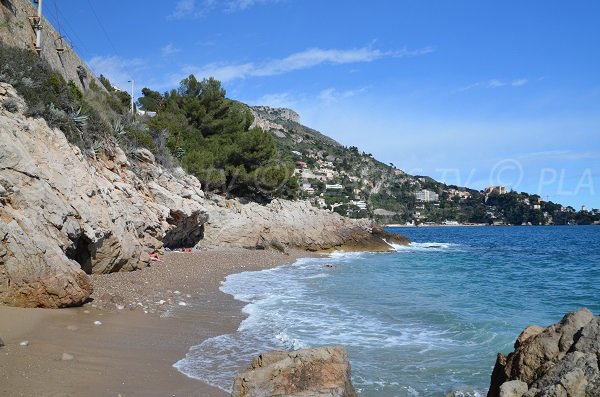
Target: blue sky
469 92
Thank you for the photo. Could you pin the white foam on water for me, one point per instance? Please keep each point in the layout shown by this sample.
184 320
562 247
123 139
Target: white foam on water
285 313
424 246
320 275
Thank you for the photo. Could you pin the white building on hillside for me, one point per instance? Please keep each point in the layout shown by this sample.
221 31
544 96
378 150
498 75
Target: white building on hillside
427 196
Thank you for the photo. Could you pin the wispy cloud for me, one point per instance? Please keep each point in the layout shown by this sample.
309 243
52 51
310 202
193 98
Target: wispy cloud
562 155
518 83
239 5
301 60
169 49
495 83
118 70
185 9
277 100
192 9
330 95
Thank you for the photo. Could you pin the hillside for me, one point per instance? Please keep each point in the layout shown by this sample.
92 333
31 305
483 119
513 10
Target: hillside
355 184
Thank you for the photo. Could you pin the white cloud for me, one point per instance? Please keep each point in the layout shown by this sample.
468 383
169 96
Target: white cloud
298 61
190 9
495 83
519 82
169 49
183 9
116 69
240 5
277 100
330 95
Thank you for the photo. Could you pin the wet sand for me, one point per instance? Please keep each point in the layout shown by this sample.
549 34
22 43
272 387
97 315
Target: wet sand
149 319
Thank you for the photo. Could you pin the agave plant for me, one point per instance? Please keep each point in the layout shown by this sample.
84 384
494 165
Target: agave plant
179 152
97 148
119 131
80 120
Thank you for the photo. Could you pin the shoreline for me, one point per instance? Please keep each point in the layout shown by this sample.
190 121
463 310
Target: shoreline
149 320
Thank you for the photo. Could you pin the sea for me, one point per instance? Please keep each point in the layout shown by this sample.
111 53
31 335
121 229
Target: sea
423 320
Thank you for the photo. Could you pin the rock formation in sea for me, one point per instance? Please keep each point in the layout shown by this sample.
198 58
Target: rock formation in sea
322 372
561 360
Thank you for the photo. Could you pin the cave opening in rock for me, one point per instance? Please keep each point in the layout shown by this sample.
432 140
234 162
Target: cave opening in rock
81 253
182 237
188 231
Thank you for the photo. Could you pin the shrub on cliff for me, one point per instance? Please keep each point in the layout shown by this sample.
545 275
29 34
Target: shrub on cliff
49 96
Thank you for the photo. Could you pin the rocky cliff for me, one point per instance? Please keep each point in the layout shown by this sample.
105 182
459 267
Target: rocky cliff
65 213
561 360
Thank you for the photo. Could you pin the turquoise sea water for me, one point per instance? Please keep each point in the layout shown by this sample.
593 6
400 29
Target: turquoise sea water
421 321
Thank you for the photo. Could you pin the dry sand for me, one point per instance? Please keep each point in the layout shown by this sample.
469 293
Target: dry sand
132 351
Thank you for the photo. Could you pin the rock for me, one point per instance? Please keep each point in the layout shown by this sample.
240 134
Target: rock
560 360
24 343
143 155
295 224
514 388
1 343
67 357
323 372
97 322
530 331
99 217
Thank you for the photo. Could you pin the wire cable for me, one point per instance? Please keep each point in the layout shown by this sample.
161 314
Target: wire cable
102 27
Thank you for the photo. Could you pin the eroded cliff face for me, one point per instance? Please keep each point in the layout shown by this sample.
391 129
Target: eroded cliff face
64 213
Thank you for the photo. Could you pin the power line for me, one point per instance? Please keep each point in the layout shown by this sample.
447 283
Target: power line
102 27
71 33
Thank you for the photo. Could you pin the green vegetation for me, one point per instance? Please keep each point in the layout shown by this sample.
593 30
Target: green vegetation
211 136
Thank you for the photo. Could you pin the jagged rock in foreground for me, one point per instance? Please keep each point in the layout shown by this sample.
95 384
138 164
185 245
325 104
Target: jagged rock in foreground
318 372
291 223
65 213
557 361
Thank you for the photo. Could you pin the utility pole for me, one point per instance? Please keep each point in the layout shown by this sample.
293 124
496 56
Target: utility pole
132 82
36 24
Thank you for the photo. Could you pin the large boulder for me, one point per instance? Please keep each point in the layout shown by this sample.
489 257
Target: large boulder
295 224
318 372
65 213
558 361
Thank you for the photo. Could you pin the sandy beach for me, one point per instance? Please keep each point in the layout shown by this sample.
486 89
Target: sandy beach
126 340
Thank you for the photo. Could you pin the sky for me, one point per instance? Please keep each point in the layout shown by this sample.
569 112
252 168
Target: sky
470 92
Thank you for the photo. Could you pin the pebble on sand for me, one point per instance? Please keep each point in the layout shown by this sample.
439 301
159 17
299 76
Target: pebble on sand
182 304
72 327
24 343
67 357
97 322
